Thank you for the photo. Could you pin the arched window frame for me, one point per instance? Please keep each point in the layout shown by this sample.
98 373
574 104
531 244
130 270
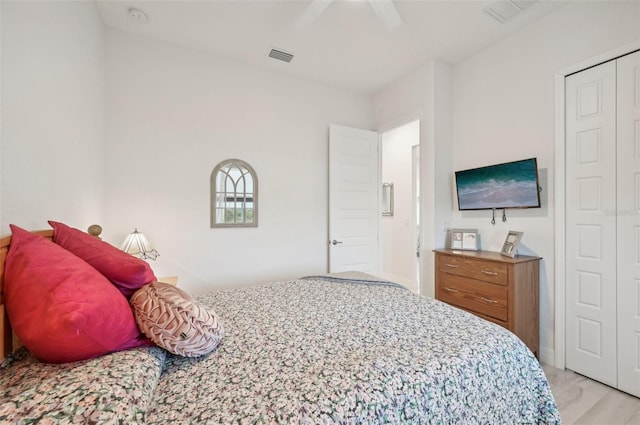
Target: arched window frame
220 196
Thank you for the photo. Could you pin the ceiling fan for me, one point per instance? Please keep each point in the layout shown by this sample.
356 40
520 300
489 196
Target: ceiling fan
385 10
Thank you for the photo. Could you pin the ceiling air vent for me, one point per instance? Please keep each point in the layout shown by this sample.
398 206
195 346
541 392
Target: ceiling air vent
504 10
280 55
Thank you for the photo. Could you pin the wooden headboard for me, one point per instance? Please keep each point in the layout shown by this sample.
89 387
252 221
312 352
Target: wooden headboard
8 342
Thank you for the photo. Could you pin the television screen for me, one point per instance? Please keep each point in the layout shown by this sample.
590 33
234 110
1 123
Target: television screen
509 185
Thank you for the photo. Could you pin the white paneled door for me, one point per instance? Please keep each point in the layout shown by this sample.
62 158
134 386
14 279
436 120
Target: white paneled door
591 223
603 223
353 199
628 164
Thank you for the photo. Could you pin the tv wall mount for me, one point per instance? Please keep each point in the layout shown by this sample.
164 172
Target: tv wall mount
493 216
504 212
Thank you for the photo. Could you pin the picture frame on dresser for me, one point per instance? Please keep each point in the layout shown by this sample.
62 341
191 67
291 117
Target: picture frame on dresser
510 246
464 239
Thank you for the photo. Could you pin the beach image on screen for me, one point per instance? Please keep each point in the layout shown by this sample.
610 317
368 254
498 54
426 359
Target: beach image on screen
510 185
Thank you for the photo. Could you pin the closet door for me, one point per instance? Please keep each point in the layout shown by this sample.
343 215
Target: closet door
591 223
628 109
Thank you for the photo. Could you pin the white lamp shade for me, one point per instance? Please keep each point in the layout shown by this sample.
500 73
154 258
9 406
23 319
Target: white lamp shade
139 246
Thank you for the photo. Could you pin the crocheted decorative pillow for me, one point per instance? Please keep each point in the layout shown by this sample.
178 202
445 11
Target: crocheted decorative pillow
174 321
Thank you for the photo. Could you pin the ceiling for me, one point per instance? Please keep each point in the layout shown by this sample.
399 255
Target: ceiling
347 45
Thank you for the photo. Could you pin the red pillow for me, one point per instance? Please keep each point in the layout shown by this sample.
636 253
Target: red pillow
60 307
125 271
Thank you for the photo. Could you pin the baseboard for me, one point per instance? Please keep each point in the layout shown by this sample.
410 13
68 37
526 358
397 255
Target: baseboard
547 356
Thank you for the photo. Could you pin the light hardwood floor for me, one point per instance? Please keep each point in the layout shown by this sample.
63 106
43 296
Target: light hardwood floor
583 401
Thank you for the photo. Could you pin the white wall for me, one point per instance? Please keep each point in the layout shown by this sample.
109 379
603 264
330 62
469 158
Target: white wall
503 103
172 115
397 233
52 136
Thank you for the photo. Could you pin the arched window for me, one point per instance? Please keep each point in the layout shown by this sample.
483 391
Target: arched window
234 195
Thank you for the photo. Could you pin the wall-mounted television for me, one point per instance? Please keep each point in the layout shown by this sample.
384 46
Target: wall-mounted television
508 185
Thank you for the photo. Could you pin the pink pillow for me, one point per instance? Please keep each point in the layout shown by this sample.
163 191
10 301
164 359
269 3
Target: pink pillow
175 321
125 271
60 307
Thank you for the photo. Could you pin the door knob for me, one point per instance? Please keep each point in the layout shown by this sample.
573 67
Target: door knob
335 242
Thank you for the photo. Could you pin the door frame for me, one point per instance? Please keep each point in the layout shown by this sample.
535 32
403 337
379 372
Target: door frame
559 190
414 218
388 126
416 228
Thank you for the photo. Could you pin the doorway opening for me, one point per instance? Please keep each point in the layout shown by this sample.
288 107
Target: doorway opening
400 232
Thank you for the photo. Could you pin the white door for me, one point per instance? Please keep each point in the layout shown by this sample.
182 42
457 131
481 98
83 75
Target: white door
353 200
591 223
629 223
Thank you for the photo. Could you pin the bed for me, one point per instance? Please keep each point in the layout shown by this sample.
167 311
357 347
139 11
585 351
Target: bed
346 349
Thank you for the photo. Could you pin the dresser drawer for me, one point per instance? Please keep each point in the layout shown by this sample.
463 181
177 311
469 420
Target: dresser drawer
475 269
489 318
481 297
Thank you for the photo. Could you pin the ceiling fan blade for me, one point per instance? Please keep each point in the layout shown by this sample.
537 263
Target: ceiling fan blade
387 12
312 12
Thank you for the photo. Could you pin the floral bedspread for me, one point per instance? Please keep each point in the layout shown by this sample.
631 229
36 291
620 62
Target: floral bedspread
113 389
310 351
325 351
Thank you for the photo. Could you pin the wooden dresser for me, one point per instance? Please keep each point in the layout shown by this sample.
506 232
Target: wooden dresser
497 288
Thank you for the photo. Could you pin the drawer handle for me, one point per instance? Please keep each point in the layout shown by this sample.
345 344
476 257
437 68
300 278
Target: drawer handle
489 300
453 266
446 288
490 273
